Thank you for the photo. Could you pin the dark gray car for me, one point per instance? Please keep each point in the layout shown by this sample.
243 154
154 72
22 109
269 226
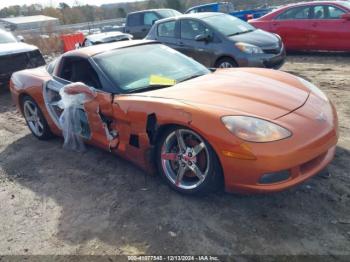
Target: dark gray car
139 23
220 40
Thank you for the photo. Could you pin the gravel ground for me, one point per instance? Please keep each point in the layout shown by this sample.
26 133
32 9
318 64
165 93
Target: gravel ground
54 201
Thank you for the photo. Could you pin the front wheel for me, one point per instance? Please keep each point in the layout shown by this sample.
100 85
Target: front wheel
226 63
187 162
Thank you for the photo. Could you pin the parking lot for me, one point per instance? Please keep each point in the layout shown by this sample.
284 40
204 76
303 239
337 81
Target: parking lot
54 201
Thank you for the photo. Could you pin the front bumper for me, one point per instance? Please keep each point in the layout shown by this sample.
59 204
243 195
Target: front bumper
18 61
4 80
310 149
274 61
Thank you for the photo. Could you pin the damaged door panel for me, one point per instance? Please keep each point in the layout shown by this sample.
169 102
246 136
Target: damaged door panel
138 125
100 117
95 115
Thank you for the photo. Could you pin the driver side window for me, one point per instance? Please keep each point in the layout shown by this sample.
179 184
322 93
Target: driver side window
190 29
76 69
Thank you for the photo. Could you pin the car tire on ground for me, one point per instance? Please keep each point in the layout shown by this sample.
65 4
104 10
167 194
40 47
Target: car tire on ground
226 62
35 119
187 162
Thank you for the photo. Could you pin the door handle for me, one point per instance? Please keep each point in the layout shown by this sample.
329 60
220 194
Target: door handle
144 30
181 44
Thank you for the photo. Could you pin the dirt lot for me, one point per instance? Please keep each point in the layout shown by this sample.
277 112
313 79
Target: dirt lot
54 201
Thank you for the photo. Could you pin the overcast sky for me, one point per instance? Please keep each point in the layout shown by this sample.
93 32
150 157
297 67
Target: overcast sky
4 3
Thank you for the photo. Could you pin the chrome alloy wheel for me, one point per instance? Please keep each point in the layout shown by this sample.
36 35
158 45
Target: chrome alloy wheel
185 159
31 114
226 65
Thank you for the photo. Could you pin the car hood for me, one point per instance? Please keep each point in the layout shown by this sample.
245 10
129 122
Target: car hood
15 48
258 38
264 93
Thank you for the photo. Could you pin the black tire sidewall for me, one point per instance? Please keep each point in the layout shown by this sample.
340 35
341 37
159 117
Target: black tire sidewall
214 178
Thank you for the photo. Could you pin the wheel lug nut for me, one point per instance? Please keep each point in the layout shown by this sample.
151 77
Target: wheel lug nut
190 154
190 163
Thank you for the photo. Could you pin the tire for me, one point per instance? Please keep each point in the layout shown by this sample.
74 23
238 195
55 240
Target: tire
195 171
35 119
226 62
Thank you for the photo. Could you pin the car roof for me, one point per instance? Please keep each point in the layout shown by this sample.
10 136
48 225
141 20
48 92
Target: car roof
313 3
151 10
205 5
98 49
105 35
194 16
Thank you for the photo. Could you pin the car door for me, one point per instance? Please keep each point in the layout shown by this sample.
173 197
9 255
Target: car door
329 31
201 51
167 34
95 113
294 26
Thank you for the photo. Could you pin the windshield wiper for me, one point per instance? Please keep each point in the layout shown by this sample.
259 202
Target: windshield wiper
148 88
240 33
191 77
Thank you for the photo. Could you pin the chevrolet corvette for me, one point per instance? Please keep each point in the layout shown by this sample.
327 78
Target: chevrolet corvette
250 130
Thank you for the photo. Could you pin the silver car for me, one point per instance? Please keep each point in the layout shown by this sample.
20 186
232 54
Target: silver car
220 40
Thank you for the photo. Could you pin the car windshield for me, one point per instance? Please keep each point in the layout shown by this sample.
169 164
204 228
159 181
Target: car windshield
168 13
147 67
228 25
346 4
6 38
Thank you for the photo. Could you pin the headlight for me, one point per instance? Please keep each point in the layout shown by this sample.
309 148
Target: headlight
254 129
249 49
314 89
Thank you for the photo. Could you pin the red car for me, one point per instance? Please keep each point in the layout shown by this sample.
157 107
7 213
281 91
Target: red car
323 26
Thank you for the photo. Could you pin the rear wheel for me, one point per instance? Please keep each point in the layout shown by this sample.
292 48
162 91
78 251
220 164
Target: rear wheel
187 162
226 62
35 119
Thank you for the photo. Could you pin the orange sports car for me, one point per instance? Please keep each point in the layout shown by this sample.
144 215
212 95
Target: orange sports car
251 130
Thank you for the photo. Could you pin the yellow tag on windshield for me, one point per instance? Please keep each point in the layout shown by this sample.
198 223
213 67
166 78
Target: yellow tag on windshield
160 80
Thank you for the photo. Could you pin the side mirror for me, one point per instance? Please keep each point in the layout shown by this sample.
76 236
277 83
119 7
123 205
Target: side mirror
346 16
203 38
20 38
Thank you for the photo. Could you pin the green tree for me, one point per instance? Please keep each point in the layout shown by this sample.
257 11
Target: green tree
174 4
152 4
63 6
121 12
